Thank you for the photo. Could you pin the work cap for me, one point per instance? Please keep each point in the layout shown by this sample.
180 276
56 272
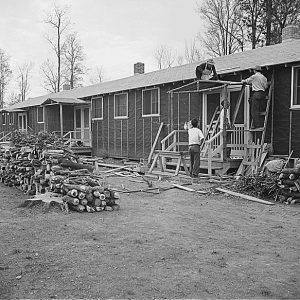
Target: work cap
257 68
210 61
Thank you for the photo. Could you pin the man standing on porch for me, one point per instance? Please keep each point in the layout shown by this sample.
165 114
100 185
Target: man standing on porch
259 85
195 139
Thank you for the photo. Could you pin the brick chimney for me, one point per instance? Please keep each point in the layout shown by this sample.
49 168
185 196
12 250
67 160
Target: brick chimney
66 87
139 68
290 32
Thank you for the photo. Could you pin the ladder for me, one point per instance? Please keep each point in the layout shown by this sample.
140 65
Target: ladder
211 130
254 149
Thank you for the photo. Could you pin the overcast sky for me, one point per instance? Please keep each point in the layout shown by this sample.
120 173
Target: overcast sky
115 34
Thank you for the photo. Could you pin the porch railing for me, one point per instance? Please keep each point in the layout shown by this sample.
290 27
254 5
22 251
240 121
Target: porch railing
172 142
77 138
212 149
5 136
74 138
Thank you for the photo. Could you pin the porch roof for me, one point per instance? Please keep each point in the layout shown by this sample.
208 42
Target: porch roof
8 109
54 100
203 85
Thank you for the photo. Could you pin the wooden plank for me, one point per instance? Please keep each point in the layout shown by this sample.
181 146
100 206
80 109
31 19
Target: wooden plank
247 197
154 162
155 142
187 189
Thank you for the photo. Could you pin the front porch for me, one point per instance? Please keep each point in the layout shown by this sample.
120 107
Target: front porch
213 160
223 148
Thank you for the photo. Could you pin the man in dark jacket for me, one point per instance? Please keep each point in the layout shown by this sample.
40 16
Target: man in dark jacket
207 70
259 86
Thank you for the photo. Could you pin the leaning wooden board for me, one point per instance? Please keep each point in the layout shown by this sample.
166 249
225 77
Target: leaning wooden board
247 197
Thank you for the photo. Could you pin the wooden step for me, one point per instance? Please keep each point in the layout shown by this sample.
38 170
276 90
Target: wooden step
257 129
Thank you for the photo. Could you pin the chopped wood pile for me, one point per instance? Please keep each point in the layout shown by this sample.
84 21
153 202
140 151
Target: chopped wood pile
289 185
39 164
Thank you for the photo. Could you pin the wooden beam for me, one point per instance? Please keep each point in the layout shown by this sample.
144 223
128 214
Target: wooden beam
247 197
155 142
61 119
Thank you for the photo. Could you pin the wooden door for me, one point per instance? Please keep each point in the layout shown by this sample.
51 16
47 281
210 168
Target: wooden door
82 125
22 121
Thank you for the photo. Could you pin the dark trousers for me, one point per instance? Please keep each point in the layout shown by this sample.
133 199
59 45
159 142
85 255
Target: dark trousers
194 151
256 102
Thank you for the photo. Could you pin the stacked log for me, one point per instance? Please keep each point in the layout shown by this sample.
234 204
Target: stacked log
289 185
38 168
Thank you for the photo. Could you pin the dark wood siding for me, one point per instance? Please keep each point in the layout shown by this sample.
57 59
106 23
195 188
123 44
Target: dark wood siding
282 98
68 118
295 133
32 121
52 118
11 121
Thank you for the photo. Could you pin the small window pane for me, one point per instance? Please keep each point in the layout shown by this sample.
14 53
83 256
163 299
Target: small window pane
121 105
3 119
40 114
86 117
78 118
147 102
97 105
150 102
154 94
297 87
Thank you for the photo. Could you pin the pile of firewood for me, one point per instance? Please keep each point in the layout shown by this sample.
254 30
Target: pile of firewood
289 185
35 167
83 191
283 186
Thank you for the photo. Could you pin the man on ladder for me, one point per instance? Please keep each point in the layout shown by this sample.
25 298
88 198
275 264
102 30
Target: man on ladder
259 86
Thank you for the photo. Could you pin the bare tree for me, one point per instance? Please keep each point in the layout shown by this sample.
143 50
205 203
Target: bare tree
253 16
13 98
74 56
58 22
23 79
284 12
192 52
97 76
223 31
159 56
50 76
5 75
164 56
180 60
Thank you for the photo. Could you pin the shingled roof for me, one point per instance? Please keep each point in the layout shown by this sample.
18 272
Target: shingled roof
284 53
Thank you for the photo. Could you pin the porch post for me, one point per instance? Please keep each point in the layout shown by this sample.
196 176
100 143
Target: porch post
225 124
171 112
61 119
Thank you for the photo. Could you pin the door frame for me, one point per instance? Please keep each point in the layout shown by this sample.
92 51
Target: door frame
82 128
22 128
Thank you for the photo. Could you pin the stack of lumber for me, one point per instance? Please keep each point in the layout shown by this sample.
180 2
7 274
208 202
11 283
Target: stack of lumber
36 166
289 185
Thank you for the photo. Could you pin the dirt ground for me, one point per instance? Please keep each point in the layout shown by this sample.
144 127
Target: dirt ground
175 244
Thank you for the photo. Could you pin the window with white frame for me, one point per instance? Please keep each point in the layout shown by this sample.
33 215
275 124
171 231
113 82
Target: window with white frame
121 106
295 103
11 118
97 108
40 114
3 118
151 102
